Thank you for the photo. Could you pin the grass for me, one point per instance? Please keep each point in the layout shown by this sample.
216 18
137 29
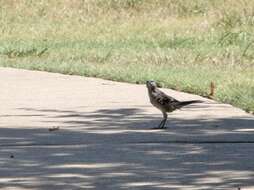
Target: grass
182 44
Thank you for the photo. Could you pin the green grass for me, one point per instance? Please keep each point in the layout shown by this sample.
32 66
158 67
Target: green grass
182 44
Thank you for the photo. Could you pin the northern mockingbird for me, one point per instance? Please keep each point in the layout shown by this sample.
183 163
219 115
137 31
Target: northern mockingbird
164 102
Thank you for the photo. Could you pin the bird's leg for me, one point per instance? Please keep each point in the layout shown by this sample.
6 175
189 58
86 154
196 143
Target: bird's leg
165 117
159 126
162 123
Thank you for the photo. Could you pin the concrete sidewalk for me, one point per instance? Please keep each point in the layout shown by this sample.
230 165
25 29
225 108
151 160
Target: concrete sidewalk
104 138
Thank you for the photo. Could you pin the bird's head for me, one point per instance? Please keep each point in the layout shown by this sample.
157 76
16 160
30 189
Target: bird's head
151 85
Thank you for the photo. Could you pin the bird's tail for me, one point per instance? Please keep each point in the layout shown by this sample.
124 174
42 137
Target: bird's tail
185 103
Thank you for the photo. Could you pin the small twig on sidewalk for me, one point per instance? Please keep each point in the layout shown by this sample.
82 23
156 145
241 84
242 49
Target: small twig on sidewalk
54 129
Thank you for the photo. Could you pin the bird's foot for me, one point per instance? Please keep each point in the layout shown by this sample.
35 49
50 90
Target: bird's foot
157 128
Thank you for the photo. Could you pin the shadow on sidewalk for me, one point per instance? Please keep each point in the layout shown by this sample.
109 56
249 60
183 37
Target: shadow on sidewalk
115 149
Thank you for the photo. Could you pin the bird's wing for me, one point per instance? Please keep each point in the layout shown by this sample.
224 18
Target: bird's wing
164 99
